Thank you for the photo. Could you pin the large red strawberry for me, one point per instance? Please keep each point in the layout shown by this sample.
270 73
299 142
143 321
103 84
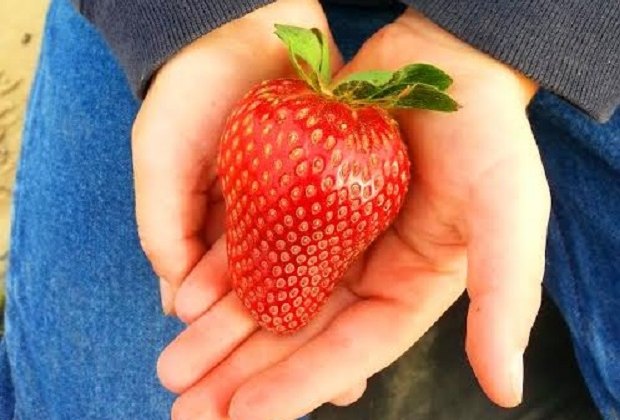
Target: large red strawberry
312 174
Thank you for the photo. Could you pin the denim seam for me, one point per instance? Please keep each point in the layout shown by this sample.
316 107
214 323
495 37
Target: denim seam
573 288
34 101
29 123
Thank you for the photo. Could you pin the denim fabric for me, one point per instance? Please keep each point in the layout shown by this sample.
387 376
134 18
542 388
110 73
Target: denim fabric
83 321
582 163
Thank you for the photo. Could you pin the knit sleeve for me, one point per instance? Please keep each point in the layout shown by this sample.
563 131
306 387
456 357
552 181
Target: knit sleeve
144 33
571 47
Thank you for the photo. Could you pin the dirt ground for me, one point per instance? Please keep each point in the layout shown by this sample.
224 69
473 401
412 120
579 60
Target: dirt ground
20 35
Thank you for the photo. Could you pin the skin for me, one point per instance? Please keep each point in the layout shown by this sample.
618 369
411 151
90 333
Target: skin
475 221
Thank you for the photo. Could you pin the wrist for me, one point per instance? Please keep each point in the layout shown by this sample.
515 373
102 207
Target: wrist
240 41
431 43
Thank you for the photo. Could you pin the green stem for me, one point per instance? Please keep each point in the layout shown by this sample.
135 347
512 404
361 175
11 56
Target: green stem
413 86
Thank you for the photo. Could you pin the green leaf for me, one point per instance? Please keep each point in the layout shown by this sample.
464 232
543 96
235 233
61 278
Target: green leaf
363 85
413 74
309 53
393 82
422 73
325 71
376 77
425 97
355 90
413 86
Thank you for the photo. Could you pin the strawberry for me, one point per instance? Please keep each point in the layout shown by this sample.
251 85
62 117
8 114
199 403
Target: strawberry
312 175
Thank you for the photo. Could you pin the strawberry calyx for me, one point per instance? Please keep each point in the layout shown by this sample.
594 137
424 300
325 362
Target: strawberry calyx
418 85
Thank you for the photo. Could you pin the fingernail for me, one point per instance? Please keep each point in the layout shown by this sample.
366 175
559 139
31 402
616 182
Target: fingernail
517 378
165 291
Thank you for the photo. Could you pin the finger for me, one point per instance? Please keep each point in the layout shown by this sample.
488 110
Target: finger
351 395
210 397
206 284
174 152
203 344
215 227
362 340
166 293
507 227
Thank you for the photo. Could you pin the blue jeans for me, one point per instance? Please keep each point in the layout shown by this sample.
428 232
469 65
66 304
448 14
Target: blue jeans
83 320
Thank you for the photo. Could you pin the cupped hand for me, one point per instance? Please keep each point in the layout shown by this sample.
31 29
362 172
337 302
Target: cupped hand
475 219
179 207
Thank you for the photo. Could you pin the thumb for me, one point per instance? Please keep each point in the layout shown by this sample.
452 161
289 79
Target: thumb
176 134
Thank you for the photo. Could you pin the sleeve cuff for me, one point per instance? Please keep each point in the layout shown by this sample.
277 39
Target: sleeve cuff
145 33
569 47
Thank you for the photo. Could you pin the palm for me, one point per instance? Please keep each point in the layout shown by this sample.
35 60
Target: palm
475 216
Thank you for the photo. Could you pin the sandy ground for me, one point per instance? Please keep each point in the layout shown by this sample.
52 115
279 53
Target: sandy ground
20 35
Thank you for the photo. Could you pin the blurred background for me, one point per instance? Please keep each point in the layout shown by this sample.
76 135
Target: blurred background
20 36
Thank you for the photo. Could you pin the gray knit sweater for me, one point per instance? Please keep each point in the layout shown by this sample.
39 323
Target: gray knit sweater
571 47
